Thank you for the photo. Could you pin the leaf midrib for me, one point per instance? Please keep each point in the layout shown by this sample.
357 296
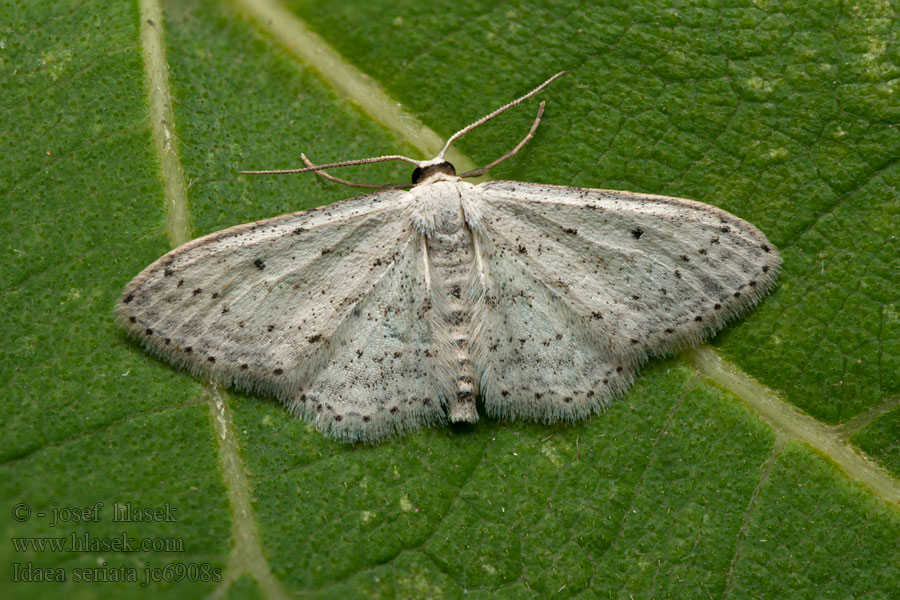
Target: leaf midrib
247 554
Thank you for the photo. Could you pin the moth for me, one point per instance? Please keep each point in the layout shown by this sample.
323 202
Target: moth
402 308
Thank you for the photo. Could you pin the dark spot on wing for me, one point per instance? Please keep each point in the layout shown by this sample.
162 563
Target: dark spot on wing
128 298
637 232
259 264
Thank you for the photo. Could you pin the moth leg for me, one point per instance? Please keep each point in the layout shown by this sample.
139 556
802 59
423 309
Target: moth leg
511 153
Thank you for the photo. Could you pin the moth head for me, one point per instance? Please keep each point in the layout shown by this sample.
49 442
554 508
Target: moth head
426 170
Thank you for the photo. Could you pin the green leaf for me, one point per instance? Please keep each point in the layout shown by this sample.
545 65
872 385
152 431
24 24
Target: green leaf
700 482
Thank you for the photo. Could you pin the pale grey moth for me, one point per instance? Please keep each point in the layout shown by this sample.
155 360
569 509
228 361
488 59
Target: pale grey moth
377 315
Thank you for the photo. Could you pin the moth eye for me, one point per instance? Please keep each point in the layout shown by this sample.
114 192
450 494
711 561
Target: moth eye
421 173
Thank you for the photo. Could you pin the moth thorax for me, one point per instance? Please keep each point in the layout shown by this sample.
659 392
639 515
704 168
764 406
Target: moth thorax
422 173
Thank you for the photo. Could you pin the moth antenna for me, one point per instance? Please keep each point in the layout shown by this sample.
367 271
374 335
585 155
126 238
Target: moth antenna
511 153
497 112
440 157
373 186
343 163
